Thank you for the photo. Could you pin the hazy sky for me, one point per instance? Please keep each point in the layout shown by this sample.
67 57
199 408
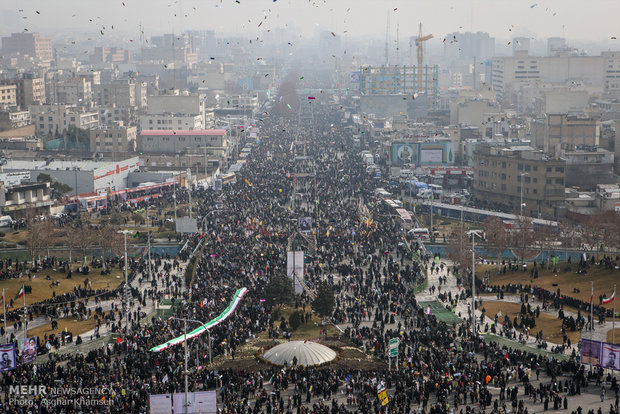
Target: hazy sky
595 20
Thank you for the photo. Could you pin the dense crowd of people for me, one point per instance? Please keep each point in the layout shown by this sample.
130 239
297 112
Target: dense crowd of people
442 369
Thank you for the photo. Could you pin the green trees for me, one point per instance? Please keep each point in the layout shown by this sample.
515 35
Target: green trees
279 291
324 302
58 189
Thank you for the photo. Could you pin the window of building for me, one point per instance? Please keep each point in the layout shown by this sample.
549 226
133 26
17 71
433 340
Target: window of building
535 168
549 169
520 167
528 180
535 191
559 181
535 179
503 176
559 169
503 187
503 164
528 167
549 181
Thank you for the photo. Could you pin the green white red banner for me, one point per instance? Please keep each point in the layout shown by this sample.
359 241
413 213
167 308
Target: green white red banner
239 294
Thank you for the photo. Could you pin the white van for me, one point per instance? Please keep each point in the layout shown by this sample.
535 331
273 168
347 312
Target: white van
6 221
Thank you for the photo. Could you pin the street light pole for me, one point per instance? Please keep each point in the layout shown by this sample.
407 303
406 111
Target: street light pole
126 296
148 241
185 320
186 372
473 283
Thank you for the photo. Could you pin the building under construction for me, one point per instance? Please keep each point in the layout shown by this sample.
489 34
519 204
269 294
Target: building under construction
408 90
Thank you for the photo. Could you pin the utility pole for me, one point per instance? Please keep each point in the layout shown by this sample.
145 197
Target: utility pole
148 241
473 284
186 371
126 288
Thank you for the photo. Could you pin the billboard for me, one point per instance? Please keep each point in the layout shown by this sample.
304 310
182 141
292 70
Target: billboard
186 225
610 356
203 402
431 156
160 404
590 352
404 153
28 350
295 269
7 357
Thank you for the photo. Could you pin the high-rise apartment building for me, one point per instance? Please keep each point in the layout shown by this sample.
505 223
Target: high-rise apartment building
31 44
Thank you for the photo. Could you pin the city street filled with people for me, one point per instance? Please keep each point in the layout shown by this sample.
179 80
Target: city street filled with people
375 274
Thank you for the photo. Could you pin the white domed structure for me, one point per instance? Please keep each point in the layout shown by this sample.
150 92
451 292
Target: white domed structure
307 353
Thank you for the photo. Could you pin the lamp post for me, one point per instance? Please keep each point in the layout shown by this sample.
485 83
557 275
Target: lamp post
126 296
185 320
473 284
148 240
77 202
521 182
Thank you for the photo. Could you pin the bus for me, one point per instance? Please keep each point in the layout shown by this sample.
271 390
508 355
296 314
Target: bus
420 233
405 218
381 194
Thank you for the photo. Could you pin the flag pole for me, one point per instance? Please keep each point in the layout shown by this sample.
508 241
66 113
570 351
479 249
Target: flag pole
25 315
591 306
4 312
613 321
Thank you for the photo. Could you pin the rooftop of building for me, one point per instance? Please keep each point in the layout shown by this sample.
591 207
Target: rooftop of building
182 132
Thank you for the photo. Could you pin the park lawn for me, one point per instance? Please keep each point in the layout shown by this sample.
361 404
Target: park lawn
603 279
75 326
550 325
17 237
41 289
616 336
309 330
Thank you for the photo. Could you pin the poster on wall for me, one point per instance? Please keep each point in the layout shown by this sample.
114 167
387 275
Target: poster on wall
404 153
431 156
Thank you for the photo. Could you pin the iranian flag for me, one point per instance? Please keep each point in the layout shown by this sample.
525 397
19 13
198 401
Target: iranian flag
610 299
20 293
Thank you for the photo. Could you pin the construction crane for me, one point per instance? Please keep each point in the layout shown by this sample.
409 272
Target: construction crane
419 42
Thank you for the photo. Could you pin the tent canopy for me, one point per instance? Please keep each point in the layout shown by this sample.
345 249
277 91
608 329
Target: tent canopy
307 353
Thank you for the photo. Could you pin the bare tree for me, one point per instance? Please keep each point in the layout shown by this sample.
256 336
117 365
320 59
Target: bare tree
544 237
108 238
87 238
498 237
523 238
459 249
34 240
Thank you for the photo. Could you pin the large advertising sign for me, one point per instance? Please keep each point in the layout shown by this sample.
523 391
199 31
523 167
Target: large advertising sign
203 402
431 156
404 153
590 352
295 269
